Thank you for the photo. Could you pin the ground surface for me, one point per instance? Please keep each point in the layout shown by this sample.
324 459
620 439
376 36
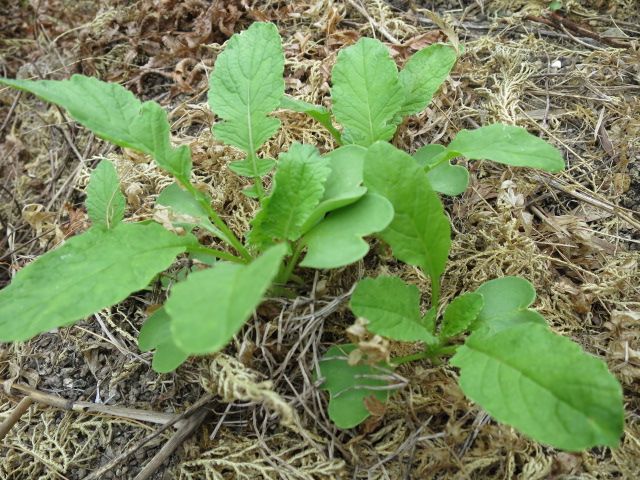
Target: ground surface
575 235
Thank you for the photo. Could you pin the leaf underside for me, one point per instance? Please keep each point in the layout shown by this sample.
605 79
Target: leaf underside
105 202
544 385
89 272
156 335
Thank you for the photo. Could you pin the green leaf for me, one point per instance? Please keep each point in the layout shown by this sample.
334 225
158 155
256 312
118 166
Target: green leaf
257 167
349 386
156 334
89 272
544 385
246 85
317 112
461 313
366 92
105 202
113 113
509 145
297 190
506 302
337 240
211 306
392 308
184 205
419 233
343 185
444 178
423 74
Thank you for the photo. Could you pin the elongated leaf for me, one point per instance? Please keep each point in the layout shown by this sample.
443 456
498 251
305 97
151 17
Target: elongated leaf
209 308
423 74
444 178
112 112
544 385
350 386
509 145
297 191
461 313
343 185
156 335
246 85
105 202
337 240
317 112
90 271
392 308
506 302
189 213
366 92
419 233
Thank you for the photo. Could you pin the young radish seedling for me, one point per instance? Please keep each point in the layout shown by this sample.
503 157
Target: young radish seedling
317 213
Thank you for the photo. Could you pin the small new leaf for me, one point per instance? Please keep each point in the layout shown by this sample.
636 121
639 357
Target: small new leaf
366 92
209 308
392 308
506 302
318 113
544 385
420 233
297 190
246 85
343 185
423 74
90 271
444 178
337 240
105 202
156 335
461 313
508 144
349 386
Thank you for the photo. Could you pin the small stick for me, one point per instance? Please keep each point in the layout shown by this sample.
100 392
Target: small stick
385 33
178 418
89 407
13 418
193 422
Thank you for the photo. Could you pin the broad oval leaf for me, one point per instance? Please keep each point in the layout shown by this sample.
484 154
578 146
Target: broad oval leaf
337 240
156 335
444 178
544 385
392 308
112 112
343 185
506 301
298 187
423 74
420 233
105 202
246 85
461 313
508 144
209 308
350 386
366 92
89 272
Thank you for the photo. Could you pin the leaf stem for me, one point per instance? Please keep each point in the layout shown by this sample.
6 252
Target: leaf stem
217 221
257 179
435 294
436 352
286 274
216 253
